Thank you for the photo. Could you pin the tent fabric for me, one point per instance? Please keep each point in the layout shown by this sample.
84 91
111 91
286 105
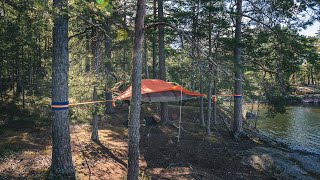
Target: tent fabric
156 90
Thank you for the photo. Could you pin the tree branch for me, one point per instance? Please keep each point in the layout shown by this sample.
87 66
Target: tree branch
80 33
187 37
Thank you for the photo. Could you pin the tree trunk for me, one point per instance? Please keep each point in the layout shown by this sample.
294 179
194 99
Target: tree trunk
19 70
23 94
201 98
209 103
95 120
35 74
22 79
61 165
214 105
135 105
1 81
88 49
12 75
164 106
259 97
237 127
96 49
308 69
124 67
1 86
194 26
154 51
146 71
257 114
311 74
109 107
209 79
252 104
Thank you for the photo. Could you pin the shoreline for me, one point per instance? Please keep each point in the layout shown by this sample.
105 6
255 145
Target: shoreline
264 135
290 163
271 155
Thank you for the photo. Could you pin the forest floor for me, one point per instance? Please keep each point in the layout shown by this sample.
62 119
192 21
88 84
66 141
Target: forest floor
25 151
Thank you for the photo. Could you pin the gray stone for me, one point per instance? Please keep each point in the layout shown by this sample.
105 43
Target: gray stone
310 163
271 159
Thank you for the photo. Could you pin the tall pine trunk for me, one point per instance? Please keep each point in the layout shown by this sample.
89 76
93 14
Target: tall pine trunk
146 70
1 88
194 27
164 106
107 44
309 73
135 105
210 78
124 66
95 118
209 103
214 104
96 49
88 49
237 127
201 98
154 51
61 165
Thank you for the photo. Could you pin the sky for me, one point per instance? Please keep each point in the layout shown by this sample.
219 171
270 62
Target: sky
311 30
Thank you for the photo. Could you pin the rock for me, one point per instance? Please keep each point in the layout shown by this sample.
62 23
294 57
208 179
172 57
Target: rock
309 162
311 98
269 159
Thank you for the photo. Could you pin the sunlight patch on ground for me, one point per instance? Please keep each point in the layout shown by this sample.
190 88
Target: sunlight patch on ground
173 173
261 162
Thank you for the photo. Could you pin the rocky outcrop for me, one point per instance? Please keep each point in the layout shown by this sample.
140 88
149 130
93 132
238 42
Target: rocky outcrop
288 165
311 98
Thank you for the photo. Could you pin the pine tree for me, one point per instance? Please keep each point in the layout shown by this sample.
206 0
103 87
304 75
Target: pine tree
61 166
135 105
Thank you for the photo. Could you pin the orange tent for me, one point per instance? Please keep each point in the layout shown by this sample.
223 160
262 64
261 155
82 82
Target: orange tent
156 90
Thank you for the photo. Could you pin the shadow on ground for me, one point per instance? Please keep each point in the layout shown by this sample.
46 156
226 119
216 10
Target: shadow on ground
162 157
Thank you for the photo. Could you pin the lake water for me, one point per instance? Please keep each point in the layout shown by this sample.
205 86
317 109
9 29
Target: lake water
299 127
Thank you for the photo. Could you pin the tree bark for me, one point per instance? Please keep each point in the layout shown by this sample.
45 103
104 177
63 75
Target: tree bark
108 44
146 70
209 104
194 27
109 107
22 79
96 49
61 165
311 74
308 69
1 86
237 127
124 66
259 98
163 105
154 52
88 49
135 105
36 70
214 104
201 98
95 120
210 77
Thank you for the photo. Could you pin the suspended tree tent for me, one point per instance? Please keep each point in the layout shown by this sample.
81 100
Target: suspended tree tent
156 90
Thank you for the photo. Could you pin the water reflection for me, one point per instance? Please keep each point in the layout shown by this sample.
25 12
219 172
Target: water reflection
299 127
